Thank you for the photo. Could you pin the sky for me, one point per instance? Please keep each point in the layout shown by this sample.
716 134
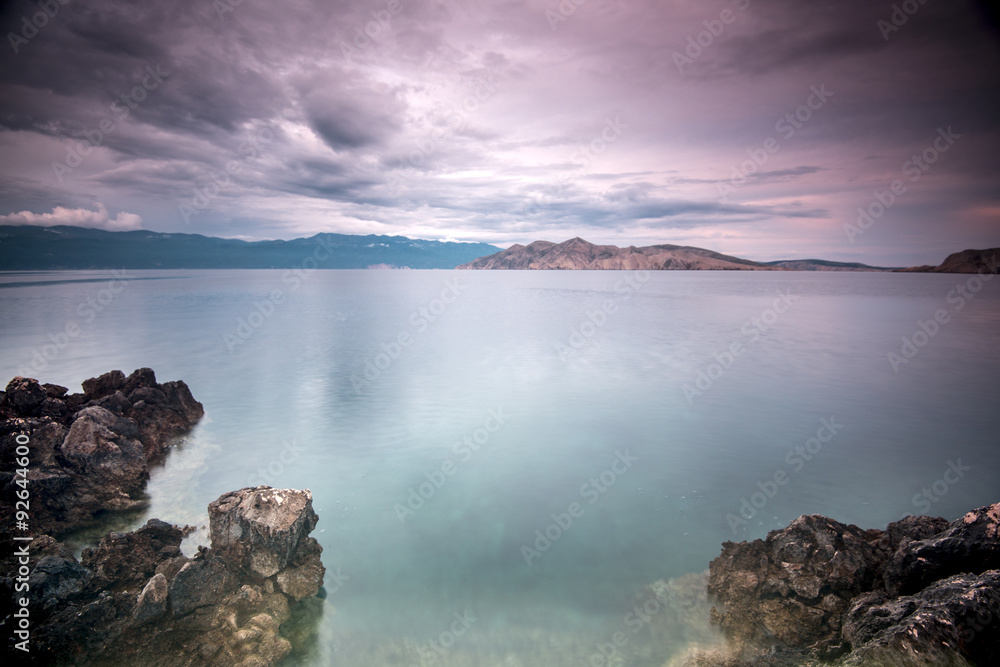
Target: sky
767 129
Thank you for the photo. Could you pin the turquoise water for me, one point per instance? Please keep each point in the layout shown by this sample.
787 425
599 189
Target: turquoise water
441 418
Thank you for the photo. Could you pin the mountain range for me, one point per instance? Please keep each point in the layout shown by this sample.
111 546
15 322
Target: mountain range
28 248
579 254
31 248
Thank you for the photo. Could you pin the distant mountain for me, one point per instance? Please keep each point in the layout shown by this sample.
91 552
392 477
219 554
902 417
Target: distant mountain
966 261
25 248
823 265
579 254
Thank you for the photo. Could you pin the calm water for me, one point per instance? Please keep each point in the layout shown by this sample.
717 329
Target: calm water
501 399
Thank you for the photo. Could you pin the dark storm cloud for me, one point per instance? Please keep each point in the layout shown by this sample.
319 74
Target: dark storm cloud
492 121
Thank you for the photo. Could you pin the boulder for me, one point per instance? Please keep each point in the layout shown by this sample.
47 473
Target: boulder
969 544
952 622
24 395
103 385
795 585
259 529
152 601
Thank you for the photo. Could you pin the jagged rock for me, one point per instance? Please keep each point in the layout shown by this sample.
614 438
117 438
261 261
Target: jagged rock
54 390
952 622
200 583
819 590
152 601
103 385
24 395
141 377
138 601
116 402
91 452
796 584
970 544
56 578
260 528
128 560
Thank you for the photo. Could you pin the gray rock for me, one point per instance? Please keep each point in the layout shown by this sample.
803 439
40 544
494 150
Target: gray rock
260 528
152 601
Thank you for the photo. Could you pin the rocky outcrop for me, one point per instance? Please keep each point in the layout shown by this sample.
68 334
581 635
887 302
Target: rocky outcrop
985 261
90 452
922 592
579 254
136 599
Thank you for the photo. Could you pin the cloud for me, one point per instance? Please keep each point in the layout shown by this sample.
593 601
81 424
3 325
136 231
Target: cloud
76 217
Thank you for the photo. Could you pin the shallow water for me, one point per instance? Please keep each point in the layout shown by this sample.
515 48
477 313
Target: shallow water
528 395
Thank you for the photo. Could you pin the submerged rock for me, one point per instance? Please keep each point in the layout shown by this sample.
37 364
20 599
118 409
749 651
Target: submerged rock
923 592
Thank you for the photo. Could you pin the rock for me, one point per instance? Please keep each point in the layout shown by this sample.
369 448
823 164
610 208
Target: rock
200 583
24 395
260 528
103 385
129 560
56 578
141 377
90 452
923 592
54 409
134 599
969 544
116 402
54 390
795 585
952 622
152 601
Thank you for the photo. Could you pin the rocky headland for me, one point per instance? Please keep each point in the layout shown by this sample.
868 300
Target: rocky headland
578 254
967 261
923 592
135 598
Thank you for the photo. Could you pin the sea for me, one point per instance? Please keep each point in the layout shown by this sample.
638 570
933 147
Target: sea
508 465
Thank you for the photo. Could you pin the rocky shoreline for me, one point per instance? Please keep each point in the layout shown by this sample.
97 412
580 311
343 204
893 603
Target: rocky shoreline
135 598
924 591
